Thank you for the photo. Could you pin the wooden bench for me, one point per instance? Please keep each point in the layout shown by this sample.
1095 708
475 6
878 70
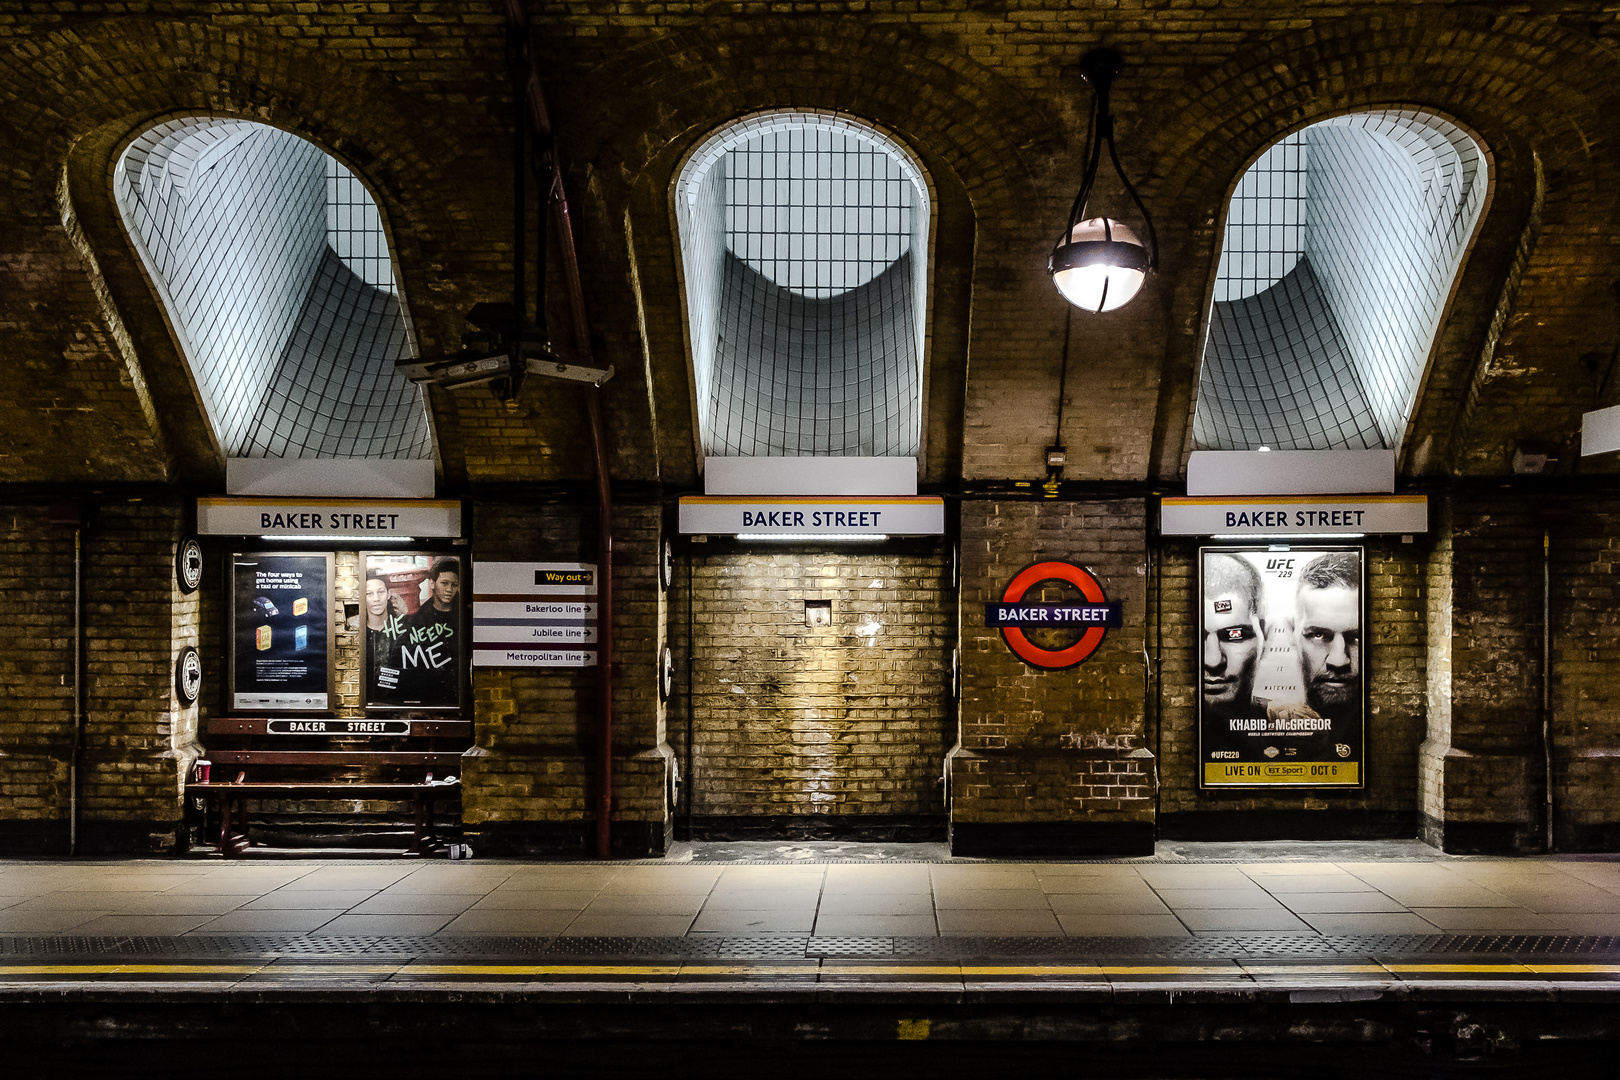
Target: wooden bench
304 772
230 801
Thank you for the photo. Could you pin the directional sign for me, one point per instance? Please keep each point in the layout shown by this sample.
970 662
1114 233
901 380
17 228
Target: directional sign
534 615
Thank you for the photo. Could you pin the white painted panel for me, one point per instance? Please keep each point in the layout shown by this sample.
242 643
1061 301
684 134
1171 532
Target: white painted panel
1290 472
810 475
1600 431
331 478
1281 516
357 519
810 518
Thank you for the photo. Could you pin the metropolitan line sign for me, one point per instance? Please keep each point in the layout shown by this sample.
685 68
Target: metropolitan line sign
1261 516
534 614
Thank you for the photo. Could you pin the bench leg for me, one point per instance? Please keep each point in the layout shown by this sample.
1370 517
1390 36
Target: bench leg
233 840
422 834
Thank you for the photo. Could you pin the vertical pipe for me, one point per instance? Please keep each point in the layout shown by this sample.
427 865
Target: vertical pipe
78 689
691 718
604 630
532 103
1546 679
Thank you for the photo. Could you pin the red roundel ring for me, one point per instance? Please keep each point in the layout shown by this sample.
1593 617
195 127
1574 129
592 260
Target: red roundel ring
1027 650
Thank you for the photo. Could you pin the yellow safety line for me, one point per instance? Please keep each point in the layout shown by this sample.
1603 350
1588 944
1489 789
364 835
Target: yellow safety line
1575 969
1236 968
1312 969
890 969
1222 969
1045 969
538 969
1464 969
129 969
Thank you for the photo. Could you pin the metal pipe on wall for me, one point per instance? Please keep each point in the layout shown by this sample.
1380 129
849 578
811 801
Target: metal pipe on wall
1546 680
78 690
533 103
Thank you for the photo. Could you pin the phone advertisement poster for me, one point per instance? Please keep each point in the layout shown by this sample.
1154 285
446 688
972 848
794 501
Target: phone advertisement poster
280 631
416 640
1282 696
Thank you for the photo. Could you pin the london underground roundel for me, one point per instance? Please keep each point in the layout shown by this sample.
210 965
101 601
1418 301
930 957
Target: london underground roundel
1091 616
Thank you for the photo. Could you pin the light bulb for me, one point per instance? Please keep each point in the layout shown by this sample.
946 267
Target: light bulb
1102 266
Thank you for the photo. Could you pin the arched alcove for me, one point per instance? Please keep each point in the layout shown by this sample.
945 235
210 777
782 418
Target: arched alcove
1341 246
273 266
803 238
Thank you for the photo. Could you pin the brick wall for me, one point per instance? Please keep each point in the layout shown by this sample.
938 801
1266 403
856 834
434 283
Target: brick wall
36 665
791 721
1585 565
1395 676
137 739
1053 747
530 789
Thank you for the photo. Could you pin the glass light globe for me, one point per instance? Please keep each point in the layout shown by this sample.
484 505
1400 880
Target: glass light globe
1102 266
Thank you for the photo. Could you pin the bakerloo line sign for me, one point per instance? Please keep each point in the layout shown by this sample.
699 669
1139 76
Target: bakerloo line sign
1016 617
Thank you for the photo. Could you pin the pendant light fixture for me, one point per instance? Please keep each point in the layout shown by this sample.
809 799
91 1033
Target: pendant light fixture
1099 264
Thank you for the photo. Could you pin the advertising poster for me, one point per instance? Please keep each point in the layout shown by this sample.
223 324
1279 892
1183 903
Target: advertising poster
280 630
1281 698
416 641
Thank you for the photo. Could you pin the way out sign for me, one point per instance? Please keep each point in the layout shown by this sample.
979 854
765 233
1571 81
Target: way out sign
534 614
1020 613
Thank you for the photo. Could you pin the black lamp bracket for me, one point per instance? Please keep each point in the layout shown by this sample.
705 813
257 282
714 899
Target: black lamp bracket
1100 67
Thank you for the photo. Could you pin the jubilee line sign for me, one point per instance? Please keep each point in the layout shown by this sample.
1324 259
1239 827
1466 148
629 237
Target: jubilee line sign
534 614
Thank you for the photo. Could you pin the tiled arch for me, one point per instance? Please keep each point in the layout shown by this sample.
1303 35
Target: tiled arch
804 243
271 259
1341 245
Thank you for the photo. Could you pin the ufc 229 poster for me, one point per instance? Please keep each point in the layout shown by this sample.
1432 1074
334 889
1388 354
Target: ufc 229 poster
1281 682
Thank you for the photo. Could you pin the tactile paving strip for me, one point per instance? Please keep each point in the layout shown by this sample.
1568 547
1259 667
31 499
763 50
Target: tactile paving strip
783 947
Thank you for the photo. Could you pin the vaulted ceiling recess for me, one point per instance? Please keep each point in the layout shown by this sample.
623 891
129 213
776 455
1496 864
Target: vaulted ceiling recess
803 240
1342 242
272 263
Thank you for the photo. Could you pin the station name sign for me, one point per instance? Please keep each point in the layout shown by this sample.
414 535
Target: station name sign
1294 515
232 516
1052 615
781 516
337 727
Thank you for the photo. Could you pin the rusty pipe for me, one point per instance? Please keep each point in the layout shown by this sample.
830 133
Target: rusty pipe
534 106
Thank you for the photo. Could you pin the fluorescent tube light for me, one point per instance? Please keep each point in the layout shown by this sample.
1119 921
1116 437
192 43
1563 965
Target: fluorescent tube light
813 537
339 539
1287 536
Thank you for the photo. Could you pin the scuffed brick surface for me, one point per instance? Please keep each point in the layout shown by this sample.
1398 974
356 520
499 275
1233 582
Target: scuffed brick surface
788 719
1053 745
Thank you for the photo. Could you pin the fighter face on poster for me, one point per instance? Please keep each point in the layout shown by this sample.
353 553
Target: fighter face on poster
1280 684
415 636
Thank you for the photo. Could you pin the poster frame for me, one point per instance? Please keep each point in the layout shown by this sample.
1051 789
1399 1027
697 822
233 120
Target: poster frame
1365 611
463 631
333 624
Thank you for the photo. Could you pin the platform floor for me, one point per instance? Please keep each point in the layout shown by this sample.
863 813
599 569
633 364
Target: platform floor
854 891
1374 915
1316 960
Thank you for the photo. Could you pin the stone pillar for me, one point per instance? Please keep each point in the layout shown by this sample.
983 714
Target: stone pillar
528 787
1052 762
139 741
1480 768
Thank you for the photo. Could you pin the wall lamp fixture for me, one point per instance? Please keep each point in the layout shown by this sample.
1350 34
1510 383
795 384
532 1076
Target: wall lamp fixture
1099 264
